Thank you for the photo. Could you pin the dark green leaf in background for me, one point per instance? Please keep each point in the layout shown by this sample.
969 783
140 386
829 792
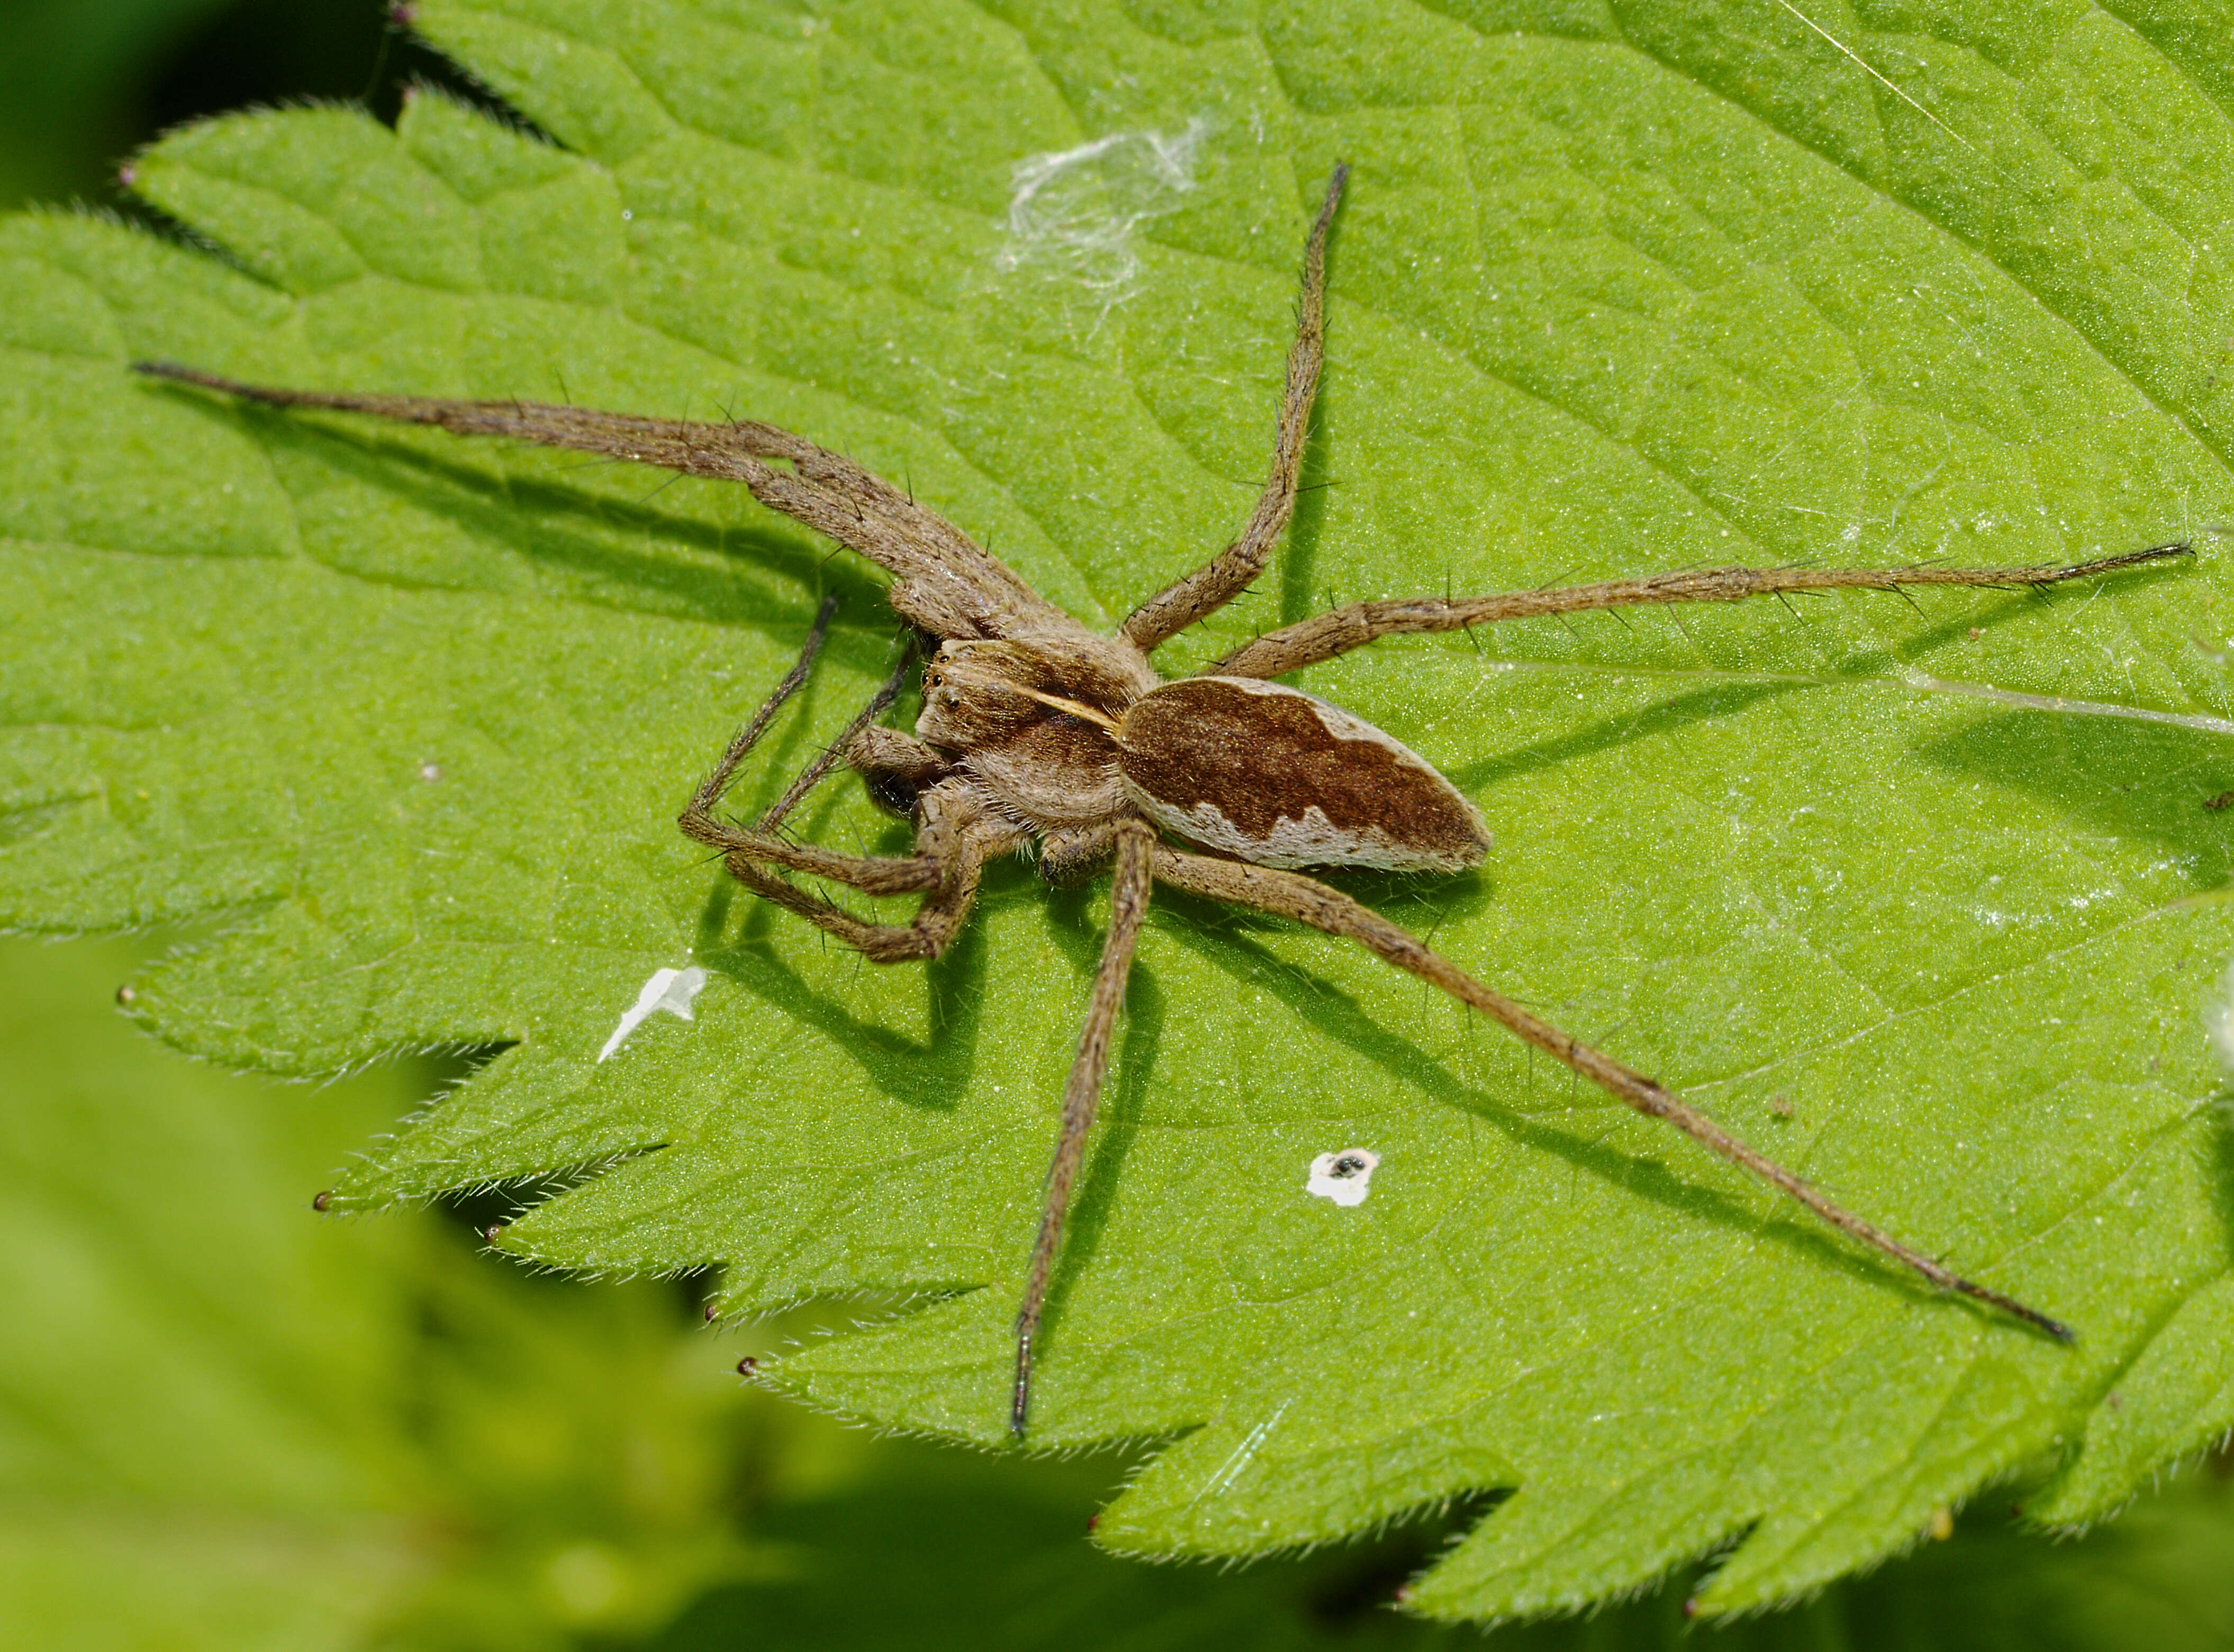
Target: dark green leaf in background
229 1425
1616 289
64 78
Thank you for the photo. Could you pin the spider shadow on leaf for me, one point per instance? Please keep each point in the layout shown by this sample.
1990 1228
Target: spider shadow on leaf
1307 527
753 581
1688 708
1870 669
928 1074
2109 776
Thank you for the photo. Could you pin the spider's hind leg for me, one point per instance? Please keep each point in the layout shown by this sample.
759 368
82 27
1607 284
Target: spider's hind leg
1306 900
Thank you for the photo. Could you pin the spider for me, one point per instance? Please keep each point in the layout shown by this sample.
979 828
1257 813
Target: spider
1038 731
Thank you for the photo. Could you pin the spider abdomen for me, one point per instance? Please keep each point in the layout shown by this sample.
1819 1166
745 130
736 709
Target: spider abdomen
1281 778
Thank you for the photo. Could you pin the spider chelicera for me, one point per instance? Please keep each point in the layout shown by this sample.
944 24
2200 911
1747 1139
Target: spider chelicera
1038 731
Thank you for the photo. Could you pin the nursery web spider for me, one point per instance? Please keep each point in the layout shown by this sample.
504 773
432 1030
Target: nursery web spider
1036 731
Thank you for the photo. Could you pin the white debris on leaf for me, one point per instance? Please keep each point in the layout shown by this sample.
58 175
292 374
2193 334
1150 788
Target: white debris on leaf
1344 1177
669 989
1074 211
2220 1020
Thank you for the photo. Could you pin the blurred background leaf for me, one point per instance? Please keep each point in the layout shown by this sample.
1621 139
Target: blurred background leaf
228 1423
84 82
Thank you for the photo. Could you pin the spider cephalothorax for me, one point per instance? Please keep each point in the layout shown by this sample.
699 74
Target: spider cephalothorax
1036 731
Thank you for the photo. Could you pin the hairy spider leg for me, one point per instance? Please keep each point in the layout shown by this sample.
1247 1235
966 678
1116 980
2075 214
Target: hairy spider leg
1229 573
1081 1095
1324 636
944 582
876 875
958 841
1308 901
844 748
955 837
711 788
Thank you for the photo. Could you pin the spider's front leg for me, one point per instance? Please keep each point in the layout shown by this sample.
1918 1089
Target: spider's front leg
870 874
954 841
954 835
745 847
943 581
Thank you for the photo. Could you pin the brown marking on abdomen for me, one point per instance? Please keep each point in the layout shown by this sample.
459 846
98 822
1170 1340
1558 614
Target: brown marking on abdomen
1243 766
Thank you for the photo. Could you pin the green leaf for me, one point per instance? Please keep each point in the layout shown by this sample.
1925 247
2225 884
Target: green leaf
1615 291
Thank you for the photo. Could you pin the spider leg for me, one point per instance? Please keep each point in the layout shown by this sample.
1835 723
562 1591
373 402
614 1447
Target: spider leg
1324 636
936 924
956 841
1308 901
945 583
846 748
870 874
1076 853
1129 905
896 768
711 788
876 875
1210 587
